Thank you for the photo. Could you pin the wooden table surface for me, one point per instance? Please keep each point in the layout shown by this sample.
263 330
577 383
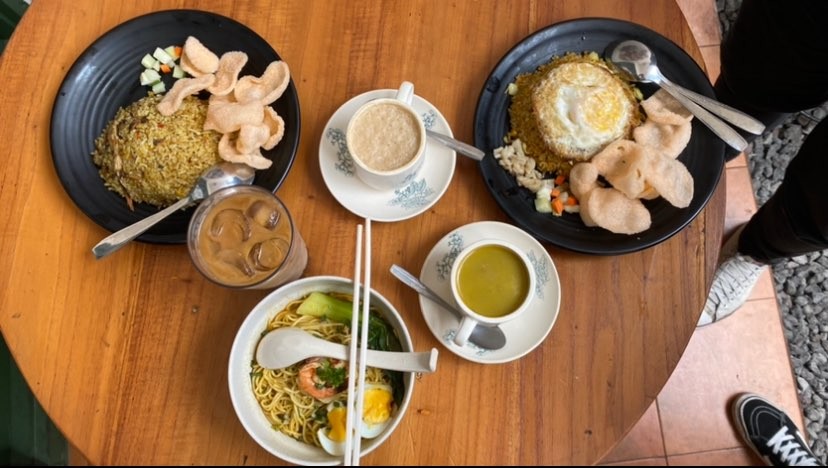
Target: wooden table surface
128 355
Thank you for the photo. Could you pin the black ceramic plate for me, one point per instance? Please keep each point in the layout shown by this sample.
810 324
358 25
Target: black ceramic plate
105 77
703 156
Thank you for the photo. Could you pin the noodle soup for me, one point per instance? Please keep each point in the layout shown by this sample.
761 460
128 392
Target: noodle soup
298 412
307 401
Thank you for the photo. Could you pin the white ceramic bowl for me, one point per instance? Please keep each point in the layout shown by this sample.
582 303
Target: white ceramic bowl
244 350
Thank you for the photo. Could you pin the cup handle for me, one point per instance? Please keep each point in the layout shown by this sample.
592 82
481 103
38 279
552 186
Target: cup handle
466 327
406 92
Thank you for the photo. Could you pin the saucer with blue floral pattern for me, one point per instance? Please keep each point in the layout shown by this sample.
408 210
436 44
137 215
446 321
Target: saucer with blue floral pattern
524 333
426 188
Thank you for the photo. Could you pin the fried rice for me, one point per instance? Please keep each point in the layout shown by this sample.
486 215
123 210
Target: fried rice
150 158
524 123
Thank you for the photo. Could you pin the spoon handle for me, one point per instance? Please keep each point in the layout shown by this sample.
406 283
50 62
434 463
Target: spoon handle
483 337
415 284
734 116
118 239
425 361
716 125
463 148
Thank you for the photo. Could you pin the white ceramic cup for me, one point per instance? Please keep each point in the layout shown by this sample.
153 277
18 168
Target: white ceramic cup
500 301
387 139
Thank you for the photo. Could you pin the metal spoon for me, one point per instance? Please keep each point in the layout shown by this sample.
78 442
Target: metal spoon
284 347
463 148
212 180
638 61
484 337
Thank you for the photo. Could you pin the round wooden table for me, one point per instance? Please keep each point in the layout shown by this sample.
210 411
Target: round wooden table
128 355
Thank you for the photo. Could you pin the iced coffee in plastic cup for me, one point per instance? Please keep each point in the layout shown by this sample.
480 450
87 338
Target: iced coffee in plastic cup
244 237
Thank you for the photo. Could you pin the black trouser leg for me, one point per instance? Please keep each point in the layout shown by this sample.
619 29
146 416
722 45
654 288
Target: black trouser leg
775 60
795 220
774 63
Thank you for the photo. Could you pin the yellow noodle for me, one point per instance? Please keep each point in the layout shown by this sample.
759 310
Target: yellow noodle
286 406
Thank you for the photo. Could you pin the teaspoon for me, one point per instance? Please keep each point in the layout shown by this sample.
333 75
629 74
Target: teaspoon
212 180
484 337
638 61
463 148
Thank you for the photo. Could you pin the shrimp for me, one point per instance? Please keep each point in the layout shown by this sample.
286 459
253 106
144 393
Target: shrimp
322 378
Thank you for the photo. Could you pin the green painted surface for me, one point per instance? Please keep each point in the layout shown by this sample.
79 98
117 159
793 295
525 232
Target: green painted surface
10 13
27 436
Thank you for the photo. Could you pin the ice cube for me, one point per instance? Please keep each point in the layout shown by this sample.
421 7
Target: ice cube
230 228
268 255
264 214
236 260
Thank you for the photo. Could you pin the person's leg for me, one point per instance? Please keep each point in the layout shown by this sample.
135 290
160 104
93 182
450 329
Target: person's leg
771 433
774 60
795 220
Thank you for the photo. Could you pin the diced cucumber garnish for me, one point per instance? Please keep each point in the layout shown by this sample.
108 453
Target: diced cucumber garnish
543 205
171 52
148 61
149 76
163 57
543 202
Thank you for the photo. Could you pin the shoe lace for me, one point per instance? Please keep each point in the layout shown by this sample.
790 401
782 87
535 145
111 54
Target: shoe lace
789 450
735 276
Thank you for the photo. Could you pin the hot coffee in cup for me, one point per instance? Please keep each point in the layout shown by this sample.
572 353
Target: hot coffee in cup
493 282
387 139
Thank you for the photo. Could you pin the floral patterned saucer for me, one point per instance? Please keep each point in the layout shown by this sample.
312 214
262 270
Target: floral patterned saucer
523 334
385 205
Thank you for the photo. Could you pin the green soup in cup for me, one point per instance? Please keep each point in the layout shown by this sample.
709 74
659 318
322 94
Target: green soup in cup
493 280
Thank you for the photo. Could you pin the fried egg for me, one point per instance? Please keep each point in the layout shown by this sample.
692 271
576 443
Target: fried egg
581 106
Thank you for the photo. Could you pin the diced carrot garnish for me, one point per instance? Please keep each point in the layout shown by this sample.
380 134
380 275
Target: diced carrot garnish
572 201
557 206
178 51
560 179
555 193
165 68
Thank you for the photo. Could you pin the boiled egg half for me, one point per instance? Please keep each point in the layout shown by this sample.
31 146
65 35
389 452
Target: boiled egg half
378 404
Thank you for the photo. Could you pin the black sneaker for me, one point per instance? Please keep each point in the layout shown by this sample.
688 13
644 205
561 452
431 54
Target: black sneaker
771 433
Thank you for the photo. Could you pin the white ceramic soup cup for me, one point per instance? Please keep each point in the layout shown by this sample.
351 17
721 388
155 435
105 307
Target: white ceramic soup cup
507 275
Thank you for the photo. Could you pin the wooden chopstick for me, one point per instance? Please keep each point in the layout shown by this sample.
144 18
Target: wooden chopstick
363 346
352 350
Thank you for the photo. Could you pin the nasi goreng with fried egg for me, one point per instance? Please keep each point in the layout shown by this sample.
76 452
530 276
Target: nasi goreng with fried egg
585 141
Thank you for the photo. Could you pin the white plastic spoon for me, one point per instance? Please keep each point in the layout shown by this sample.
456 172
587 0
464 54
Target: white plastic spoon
286 346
